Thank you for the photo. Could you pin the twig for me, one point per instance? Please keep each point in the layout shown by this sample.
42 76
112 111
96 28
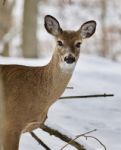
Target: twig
96 140
69 87
62 137
87 96
78 136
39 140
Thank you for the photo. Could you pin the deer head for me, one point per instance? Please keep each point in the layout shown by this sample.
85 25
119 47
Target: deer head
68 43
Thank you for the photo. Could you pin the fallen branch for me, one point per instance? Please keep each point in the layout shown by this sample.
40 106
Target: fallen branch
96 140
65 138
39 141
78 136
58 135
87 96
62 137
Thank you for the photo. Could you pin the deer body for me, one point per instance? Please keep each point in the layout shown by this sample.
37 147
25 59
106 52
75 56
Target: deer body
38 96
30 91
32 105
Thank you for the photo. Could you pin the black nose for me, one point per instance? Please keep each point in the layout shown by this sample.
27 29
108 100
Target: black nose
69 59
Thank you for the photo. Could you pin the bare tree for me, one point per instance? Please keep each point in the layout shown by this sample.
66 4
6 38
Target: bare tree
1 110
5 24
104 43
29 37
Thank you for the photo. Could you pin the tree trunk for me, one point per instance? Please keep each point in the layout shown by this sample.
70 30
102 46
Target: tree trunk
104 44
1 112
29 37
5 24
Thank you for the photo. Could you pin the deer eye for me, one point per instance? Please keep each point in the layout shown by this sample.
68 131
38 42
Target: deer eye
78 44
60 43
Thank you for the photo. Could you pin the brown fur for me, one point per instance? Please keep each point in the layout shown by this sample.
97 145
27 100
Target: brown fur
28 92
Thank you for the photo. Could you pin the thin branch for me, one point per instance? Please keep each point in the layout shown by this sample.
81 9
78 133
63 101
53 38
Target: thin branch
39 141
96 140
78 136
62 137
69 87
87 96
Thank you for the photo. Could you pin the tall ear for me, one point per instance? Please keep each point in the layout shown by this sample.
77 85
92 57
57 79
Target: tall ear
88 29
52 25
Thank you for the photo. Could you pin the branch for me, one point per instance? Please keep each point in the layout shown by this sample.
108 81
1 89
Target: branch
78 136
69 87
58 135
87 96
96 140
62 137
39 140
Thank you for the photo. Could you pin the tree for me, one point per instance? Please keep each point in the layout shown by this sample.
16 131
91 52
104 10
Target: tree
1 110
29 37
104 44
5 24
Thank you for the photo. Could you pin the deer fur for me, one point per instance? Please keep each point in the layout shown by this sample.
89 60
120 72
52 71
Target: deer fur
28 92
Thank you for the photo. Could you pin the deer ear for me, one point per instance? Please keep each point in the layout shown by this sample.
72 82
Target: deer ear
88 29
52 25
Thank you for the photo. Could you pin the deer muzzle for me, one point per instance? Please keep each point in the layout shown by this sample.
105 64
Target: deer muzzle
69 59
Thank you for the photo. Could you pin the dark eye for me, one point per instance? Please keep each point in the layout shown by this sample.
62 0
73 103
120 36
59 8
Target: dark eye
60 43
78 45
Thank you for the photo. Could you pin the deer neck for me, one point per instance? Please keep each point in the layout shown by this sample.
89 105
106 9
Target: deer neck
56 67
58 78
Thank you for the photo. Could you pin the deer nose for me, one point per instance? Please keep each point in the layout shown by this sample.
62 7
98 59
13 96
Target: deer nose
69 59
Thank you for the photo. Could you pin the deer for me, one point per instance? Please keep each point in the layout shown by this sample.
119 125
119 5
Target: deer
28 91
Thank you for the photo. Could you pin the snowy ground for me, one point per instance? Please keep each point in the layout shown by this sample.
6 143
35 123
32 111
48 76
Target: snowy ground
93 75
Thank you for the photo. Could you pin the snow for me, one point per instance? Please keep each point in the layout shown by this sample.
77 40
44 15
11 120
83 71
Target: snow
25 61
93 75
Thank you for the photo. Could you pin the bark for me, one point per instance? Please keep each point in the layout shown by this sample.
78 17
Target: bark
1 112
29 37
104 44
5 24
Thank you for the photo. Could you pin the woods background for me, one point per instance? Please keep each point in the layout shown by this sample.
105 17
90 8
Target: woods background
22 32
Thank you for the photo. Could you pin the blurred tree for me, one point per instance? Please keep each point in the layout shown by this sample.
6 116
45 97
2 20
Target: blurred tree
5 25
1 110
29 36
104 43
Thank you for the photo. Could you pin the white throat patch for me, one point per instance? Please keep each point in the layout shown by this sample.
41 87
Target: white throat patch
68 68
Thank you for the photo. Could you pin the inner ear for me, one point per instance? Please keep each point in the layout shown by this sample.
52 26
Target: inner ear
52 25
88 29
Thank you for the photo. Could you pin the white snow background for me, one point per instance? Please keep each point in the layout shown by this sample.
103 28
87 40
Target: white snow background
93 75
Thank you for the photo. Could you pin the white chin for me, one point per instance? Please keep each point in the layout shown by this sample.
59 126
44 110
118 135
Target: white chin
69 68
